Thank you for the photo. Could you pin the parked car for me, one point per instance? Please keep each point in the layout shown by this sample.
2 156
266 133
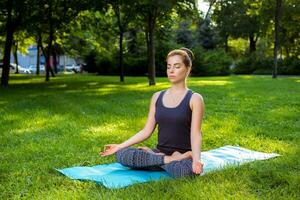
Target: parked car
32 68
13 68
73 67
21 70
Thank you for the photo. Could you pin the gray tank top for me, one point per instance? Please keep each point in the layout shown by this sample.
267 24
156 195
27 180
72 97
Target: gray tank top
174 125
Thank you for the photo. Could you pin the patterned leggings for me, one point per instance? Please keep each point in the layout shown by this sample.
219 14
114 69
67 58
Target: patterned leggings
140 159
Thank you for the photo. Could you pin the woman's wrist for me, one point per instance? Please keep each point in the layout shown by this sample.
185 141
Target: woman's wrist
121 146
196 160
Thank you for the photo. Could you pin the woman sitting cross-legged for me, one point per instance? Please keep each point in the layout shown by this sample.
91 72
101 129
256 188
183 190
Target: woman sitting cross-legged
178 111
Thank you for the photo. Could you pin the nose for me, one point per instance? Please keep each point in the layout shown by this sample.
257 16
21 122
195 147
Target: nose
172 69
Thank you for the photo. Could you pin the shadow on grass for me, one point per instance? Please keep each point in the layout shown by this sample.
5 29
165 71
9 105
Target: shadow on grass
65 122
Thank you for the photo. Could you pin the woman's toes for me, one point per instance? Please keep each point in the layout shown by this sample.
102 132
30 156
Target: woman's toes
176 153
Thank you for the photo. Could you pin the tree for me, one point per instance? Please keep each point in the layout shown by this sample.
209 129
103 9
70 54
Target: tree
21 42
184 34
49 18
151 12
90 36
277 16
206 35
16 13
124 13
239 18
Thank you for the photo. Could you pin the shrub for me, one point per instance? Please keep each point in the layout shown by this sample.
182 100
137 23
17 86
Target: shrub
211 63
135 66
101 63
289 66
91 61
260 65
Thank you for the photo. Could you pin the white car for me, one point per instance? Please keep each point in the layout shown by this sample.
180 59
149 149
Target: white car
73 67
21 70
32 68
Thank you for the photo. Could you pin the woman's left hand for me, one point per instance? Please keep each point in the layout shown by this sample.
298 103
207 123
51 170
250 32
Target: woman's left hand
197 167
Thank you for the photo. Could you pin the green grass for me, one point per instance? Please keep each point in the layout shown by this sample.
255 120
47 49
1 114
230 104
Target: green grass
66 122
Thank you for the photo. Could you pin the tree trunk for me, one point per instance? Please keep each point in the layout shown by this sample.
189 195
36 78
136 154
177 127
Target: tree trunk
8 43
151 49
38 56
252 43
16 56
211 3
116 7
54 62
277 29
121 67
287 52
226 43
49 47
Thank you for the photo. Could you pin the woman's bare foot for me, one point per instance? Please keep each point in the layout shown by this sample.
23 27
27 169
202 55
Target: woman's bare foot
177 156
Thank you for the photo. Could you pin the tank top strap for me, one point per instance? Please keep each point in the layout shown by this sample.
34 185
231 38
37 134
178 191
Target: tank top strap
159 99
186 100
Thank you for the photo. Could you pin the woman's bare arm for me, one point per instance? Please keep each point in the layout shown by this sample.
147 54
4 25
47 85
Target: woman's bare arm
196 134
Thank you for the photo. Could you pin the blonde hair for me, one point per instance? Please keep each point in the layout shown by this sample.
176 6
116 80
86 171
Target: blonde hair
185 53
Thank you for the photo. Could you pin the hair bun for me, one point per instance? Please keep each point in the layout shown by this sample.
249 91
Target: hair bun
189 52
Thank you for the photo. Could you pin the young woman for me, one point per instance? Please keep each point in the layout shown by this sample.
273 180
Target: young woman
178 111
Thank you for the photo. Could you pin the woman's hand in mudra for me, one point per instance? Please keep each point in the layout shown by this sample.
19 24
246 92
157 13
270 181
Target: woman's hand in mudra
197 167
110 149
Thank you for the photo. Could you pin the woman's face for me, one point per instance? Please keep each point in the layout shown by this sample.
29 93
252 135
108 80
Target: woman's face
176 69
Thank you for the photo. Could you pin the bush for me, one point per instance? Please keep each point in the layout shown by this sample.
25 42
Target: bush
101 63
211 63
91 61
106 64
135 66
258 65
289 66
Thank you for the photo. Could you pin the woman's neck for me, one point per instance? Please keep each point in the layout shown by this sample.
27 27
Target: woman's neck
178 88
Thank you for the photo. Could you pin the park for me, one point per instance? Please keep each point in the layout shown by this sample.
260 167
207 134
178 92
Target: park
246 66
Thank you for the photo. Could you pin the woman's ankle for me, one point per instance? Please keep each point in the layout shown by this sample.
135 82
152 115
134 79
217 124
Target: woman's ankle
167 159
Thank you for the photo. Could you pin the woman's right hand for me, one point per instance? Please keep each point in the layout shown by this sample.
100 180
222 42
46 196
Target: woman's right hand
110 149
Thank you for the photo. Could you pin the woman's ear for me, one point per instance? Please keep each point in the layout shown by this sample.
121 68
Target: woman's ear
188 72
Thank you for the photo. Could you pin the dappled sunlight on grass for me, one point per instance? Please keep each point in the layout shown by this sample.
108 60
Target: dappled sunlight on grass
282 113
39 122
144 86
246 77
231 131
93 83
110 129
67 121
218 129
58 86
210 82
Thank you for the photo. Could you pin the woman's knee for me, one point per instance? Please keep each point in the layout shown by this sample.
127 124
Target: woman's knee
137 158
178 169
124 155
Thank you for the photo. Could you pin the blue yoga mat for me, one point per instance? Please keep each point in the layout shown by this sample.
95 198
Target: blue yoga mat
115 175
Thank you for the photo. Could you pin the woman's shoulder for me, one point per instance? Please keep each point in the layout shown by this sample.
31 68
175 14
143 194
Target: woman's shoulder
156 95
196 95
196 99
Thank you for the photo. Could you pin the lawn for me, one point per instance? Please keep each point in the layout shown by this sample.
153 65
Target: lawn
66 122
